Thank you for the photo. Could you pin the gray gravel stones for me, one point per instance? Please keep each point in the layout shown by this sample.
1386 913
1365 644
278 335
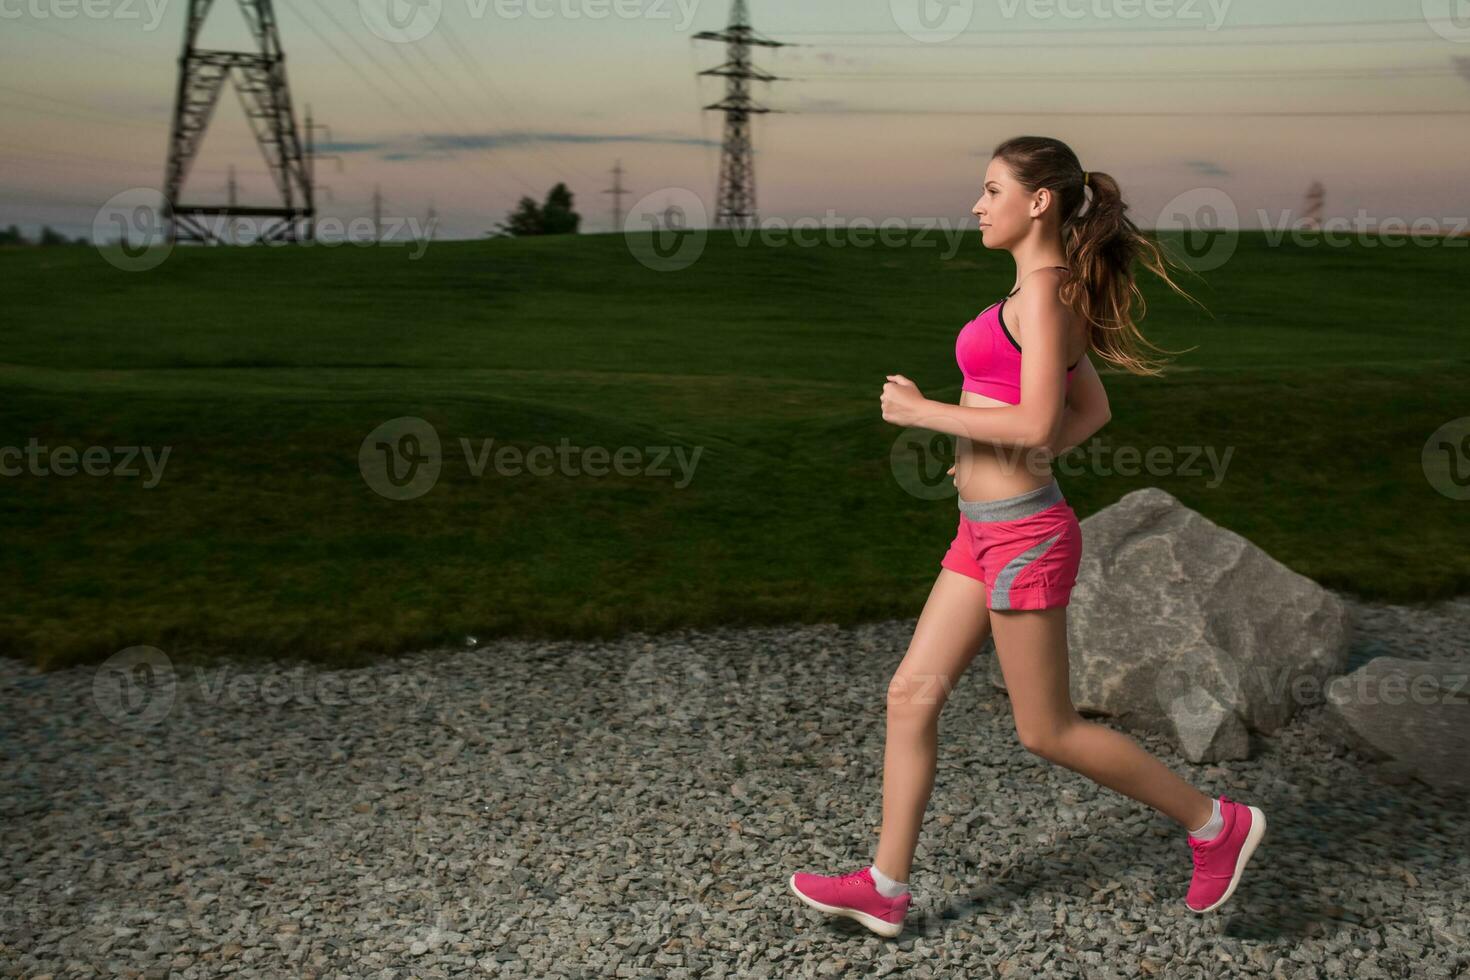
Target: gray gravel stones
633 808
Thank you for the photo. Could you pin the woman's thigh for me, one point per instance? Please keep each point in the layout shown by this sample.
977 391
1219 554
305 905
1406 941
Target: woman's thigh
1031 646
952 628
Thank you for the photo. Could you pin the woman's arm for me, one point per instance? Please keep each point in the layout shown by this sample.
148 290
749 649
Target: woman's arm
1087 409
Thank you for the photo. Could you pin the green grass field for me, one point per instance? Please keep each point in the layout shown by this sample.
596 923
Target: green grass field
1323 371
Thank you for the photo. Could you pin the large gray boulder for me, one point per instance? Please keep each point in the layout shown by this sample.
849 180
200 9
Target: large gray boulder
1180 626
1415 713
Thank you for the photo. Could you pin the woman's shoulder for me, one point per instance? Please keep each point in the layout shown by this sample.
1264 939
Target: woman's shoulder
1047 279
1043 296
1042 286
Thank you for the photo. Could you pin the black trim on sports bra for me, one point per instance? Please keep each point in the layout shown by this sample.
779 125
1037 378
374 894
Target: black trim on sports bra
1000 317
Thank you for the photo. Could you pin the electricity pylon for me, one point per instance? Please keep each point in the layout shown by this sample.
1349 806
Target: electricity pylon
736 207
618 192
1312 208
259 79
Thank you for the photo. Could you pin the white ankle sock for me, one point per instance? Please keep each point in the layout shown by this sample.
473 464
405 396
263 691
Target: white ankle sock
887 887
1212 826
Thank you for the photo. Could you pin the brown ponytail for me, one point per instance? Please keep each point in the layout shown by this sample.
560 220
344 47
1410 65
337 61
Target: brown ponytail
1101 245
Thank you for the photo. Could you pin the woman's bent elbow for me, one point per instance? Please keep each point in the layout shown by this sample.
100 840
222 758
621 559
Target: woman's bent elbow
1042 438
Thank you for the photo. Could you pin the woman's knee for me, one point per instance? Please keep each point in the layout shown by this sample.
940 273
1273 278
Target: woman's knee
916 698
1046 737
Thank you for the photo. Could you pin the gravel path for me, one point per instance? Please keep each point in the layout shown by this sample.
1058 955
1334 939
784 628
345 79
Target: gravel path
633 809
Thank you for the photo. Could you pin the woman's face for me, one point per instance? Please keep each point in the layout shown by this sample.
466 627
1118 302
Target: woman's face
1004 208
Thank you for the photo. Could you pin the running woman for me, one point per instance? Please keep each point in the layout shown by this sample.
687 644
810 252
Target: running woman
1010 570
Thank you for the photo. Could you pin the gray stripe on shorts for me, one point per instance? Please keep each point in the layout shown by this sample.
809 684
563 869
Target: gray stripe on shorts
1012 508
1000 592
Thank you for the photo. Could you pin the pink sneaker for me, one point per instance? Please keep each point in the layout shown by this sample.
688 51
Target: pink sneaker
1219 862
855 896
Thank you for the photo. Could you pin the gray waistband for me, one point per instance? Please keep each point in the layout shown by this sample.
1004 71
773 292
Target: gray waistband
1011 508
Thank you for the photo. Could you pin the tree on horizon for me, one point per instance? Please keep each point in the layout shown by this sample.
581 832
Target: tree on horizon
555 217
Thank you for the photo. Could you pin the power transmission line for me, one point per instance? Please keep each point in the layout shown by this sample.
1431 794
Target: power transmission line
1161 46
460 161
457 128
367 79
470 99
1109 112
452 128
414 122
1150 28
472 65
89 107
1105 76
81 161
87 42
94 119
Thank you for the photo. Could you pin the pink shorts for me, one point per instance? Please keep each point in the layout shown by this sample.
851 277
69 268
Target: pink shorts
1025 549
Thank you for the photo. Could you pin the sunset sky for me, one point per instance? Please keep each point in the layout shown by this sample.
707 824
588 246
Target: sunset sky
505 97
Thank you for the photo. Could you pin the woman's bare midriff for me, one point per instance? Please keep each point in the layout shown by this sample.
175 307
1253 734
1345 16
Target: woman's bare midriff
984 471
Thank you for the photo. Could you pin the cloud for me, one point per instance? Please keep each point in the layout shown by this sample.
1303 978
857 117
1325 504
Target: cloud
329 146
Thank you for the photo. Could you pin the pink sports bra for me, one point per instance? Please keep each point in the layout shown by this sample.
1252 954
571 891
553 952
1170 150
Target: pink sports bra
991 365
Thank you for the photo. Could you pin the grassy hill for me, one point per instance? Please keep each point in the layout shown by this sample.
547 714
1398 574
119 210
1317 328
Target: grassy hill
1321 370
